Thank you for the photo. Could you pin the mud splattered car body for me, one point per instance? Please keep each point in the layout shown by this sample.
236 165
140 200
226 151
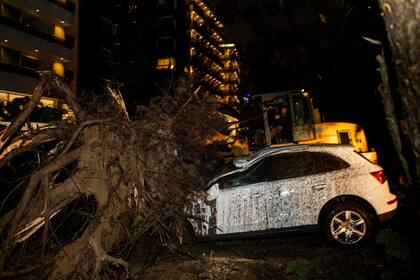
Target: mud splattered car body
293 187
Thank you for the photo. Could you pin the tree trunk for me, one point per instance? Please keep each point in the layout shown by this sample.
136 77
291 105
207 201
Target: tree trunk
402 20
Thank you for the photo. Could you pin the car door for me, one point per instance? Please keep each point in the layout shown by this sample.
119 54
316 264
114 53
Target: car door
241 205
282 173
300 184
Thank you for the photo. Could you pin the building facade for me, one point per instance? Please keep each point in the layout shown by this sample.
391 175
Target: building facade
209 59
153 42
95 44
231 77
34 36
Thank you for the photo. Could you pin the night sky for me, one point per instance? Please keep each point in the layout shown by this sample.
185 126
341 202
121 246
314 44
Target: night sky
317 45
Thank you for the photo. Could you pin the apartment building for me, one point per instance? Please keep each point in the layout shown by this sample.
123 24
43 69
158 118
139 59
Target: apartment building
35 36
156 41
197 30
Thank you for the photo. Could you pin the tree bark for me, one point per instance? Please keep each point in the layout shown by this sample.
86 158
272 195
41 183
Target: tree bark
402 21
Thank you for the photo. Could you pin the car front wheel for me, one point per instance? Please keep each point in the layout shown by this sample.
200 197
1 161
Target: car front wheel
348 224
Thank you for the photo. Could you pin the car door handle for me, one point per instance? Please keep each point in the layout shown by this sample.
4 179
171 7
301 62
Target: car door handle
319 187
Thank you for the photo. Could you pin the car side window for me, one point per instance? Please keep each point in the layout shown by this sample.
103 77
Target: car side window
286 165
254 174
292 165
325 162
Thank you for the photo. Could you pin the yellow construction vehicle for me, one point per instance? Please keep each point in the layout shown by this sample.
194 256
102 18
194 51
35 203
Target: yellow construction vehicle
289 117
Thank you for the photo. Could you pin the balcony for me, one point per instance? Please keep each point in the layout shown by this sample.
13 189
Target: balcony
66 4
232 70
209 35
207 85
45 9
212 21
26 83
201 47
25 42
206 68
68 42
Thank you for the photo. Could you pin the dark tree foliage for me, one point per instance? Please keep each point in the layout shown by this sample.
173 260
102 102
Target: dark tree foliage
9 110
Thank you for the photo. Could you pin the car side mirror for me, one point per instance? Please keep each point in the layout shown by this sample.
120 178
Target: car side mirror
213 192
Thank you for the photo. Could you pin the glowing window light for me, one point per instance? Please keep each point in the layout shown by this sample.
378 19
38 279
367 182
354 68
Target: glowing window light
58 68
59 32
166 63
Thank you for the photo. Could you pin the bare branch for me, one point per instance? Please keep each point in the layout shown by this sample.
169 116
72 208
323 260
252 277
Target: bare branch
30 190
19 146
194 94
70 97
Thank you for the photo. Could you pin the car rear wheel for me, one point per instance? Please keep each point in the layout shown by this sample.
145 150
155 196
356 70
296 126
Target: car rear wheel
347 224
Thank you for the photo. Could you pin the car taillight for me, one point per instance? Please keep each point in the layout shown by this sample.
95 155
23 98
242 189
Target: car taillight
392 201
379 175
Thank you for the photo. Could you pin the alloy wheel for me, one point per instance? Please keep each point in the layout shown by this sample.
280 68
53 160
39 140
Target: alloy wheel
348 227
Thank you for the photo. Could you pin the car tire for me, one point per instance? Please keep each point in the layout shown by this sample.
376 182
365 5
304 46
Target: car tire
347 224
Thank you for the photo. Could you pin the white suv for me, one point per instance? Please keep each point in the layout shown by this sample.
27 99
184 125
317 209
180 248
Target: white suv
293 188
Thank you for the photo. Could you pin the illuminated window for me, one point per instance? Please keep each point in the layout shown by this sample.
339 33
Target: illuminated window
58 68
166 63
59 32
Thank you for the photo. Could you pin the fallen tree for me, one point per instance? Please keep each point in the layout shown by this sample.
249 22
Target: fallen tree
141 173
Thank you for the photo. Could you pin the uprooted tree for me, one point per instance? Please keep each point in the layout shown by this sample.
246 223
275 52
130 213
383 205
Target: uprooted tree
142 174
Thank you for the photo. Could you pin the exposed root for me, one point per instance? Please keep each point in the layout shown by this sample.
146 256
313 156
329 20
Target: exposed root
141 173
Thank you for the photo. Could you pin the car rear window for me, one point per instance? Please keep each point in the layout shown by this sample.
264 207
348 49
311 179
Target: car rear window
291 165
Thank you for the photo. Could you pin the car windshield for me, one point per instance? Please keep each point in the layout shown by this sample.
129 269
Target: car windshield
254 155
225 169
